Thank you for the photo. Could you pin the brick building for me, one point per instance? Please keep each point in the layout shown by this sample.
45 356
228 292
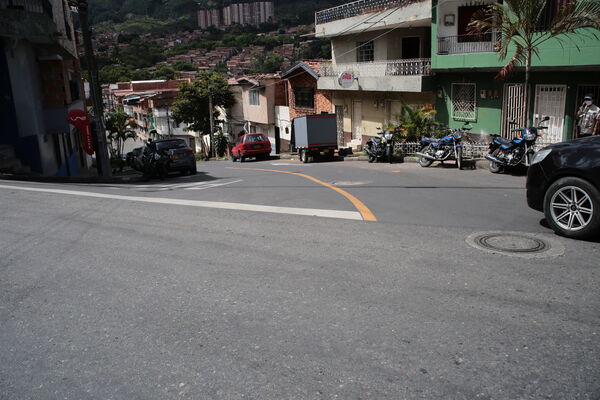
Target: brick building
300 97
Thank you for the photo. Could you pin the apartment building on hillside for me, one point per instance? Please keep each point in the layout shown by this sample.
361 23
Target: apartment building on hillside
40 82
254 14
465 67
380 58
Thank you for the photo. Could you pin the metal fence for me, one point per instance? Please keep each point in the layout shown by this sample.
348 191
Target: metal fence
471 149
413 66
357 8
462 44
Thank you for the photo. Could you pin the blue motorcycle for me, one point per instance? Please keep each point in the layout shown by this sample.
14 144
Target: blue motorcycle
447 148
509 153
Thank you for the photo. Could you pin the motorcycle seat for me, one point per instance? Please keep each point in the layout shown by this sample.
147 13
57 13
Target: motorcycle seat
501 140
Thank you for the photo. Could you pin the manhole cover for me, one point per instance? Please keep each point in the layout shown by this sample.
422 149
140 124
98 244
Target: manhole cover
519 244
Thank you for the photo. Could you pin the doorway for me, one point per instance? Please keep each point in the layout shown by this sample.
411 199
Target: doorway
550 101
339 118
277 140
582 90
512 109
356 120
411 47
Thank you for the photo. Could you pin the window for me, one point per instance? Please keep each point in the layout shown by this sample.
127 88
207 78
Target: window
365 52
304 97
255 138
254 97
463 102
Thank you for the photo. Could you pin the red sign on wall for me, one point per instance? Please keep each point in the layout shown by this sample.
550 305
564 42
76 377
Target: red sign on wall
81 121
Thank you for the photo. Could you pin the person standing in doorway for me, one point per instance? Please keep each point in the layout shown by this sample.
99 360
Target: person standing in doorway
588 117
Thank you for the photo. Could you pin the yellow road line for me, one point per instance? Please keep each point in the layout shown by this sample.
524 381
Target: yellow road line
364 211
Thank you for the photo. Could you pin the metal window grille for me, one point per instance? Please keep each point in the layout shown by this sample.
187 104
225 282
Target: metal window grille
304 97
463 102
254 97
365 52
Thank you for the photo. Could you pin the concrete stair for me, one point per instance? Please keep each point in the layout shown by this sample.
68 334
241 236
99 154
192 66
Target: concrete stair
356 144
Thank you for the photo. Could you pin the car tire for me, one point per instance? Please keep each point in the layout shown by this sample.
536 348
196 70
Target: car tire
233 158
304 156
572 208
242 159
194 170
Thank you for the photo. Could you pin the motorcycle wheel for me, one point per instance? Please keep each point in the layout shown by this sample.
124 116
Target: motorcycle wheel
459 153
425 162
390 154
494 167
371 158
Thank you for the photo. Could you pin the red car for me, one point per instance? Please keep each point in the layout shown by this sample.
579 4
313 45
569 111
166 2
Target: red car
251 145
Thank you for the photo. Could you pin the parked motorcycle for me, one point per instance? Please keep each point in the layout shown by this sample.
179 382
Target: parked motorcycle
380 147
447 148
154 162
507 153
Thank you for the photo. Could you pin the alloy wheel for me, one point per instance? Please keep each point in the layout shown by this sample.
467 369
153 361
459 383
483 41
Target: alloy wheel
571 208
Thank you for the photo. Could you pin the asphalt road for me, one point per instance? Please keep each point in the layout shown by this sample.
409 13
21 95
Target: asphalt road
155 291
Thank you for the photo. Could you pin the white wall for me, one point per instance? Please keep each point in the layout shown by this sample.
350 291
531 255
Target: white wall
414 14
283 121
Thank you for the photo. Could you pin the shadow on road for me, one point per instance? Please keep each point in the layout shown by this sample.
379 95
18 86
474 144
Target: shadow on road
544 223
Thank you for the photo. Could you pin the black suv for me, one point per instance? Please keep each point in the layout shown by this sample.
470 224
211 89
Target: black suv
564 182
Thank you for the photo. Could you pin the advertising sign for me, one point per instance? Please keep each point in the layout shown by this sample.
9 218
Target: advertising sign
346 79
80 120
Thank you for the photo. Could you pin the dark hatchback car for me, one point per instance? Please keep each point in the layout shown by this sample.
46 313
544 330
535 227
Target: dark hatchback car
181 156
563 181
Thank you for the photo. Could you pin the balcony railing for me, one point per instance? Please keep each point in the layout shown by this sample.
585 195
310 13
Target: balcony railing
461 44
35 6
357 8
413 66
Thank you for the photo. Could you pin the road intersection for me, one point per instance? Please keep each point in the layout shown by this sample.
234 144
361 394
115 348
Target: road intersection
136 291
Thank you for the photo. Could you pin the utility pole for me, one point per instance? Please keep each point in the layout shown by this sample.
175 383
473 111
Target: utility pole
168 121
102 160
212 122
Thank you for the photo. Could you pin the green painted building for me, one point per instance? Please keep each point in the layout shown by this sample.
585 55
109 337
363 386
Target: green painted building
465 70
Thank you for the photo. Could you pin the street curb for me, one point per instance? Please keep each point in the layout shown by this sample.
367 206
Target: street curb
56 179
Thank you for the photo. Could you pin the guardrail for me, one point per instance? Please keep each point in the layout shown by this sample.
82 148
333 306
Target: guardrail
413 66
357 8
461 44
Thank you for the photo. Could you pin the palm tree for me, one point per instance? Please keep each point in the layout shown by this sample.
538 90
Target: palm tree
120 127
413 122
518 25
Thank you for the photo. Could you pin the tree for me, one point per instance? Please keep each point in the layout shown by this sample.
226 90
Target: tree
191 105
266 63
519 27
120 127
164 72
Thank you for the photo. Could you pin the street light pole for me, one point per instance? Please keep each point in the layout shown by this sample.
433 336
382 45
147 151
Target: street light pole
102 160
